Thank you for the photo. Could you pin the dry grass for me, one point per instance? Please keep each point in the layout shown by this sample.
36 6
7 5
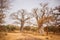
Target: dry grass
3 35
31 36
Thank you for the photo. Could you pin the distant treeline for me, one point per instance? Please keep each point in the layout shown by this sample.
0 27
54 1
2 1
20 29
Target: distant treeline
10 28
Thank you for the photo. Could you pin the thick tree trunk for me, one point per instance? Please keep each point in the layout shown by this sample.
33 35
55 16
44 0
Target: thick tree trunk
21 28
40 29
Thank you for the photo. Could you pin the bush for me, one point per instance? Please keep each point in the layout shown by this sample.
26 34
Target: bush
27 28
10 28
2 28
34 29
52 29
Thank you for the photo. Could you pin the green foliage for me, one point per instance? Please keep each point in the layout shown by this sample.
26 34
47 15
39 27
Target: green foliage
34 29
10 27
27 28
2 28
52 29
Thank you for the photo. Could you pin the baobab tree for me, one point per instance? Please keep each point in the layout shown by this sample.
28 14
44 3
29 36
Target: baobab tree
41 15
4 5
38 15
21 16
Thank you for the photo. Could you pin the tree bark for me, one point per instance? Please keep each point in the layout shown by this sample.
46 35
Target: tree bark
22 24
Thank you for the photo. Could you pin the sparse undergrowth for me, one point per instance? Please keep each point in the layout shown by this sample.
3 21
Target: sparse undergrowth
3 35
29 38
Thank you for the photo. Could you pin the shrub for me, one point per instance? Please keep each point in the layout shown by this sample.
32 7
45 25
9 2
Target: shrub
2 28
27 28
34 29
52 29
10 28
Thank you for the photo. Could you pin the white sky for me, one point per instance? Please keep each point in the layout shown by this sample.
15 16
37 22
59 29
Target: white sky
28 5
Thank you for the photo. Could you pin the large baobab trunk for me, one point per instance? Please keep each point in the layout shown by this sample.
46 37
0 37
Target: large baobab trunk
40 28
22 25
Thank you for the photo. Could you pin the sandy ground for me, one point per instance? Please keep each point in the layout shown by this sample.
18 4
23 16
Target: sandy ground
26 36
